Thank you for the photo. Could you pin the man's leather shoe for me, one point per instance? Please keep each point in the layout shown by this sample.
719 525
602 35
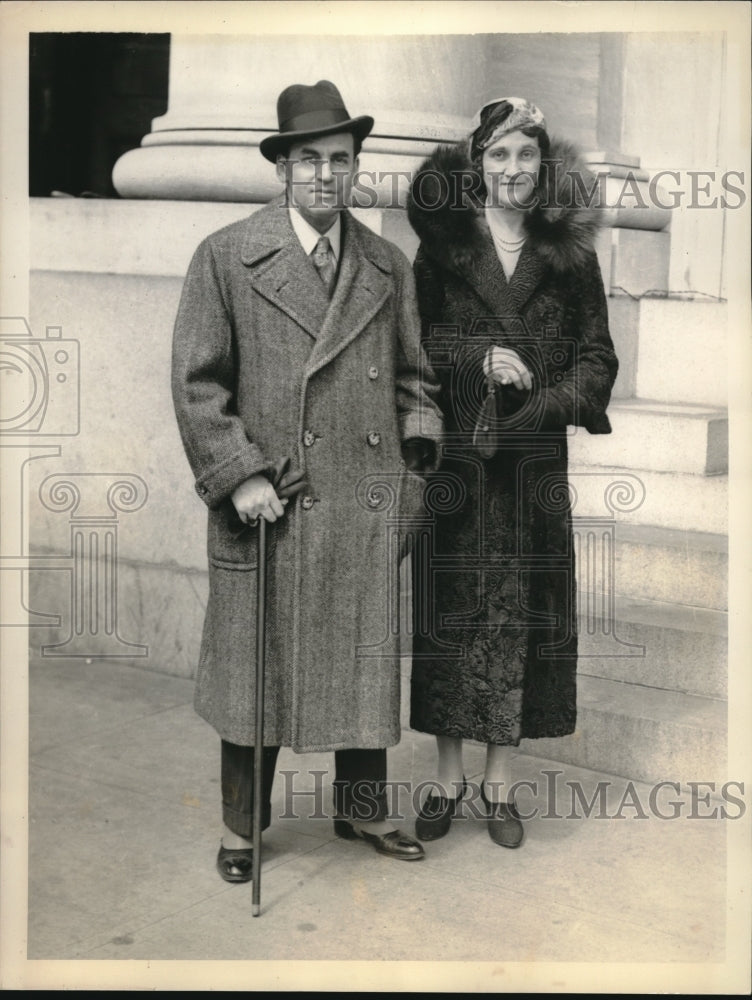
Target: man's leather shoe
395 844
235 865
504 824
436 814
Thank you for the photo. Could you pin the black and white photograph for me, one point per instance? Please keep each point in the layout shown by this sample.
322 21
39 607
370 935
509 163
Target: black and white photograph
375 418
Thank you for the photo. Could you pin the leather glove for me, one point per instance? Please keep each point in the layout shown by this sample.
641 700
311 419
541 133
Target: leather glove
419 454
286 482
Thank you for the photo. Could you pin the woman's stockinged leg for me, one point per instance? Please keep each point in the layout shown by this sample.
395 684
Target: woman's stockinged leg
449 772
440 806
497 780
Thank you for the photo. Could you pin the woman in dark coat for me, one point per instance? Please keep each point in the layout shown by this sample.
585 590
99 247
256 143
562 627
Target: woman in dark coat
515 323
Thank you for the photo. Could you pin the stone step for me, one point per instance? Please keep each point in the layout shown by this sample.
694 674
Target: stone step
670 349
655 644
671 647
675 567
633 731
633 261
642 733
683 351
656 436
680 501
624 326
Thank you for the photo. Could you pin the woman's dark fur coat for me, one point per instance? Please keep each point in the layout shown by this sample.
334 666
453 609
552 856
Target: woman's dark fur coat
495 650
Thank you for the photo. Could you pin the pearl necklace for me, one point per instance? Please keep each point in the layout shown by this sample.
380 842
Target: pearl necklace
511 247
503 245
508 248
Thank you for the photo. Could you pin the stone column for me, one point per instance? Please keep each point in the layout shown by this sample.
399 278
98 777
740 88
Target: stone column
223 95
634 251
420 89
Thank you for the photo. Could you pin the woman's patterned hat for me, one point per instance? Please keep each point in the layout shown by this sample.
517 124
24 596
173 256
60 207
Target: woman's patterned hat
523 115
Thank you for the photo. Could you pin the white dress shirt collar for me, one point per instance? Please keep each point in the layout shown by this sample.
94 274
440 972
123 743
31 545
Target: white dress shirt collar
309 237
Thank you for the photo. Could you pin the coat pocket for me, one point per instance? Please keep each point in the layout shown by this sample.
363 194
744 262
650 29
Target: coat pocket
231 543
228 640
242 567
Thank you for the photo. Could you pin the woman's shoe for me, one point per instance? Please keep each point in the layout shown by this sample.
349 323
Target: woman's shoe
504 824
436 814
235 865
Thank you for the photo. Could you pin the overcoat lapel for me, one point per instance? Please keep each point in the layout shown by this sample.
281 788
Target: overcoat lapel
506 299
281 271
363 286
527 276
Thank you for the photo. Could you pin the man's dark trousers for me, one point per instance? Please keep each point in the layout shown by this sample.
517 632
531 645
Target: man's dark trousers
359 785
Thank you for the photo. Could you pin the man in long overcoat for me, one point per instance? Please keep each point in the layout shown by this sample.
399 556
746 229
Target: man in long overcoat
293 353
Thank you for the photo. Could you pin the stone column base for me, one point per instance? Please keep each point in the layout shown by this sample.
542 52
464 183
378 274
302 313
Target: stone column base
226 165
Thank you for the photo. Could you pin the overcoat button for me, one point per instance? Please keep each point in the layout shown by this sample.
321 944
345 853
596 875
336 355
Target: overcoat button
309 438
306 503
373 372
374 438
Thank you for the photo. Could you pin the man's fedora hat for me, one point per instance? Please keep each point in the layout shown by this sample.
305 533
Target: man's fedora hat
308 111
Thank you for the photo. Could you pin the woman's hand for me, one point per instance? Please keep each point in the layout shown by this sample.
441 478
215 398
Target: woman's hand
505 366
256 497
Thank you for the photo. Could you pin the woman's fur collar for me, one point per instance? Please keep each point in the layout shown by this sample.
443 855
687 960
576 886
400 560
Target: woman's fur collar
562 229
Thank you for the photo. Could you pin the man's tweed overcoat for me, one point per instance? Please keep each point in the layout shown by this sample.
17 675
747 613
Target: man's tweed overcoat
266 367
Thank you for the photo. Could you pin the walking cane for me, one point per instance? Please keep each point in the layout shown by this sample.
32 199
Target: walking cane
287 484
258 757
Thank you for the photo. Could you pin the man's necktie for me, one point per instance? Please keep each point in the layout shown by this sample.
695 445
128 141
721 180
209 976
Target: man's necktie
323 259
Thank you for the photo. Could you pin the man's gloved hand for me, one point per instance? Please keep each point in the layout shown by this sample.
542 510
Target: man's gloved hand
419 454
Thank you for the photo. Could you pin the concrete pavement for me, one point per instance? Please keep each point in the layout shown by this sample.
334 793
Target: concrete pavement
124 828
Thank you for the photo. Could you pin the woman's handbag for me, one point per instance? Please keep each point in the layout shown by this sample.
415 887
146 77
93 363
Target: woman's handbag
486 433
